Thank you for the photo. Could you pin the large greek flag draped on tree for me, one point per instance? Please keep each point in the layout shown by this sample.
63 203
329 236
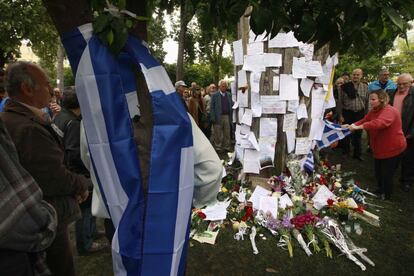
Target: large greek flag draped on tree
151 234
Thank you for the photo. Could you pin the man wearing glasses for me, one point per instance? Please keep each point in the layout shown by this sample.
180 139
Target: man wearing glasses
403 100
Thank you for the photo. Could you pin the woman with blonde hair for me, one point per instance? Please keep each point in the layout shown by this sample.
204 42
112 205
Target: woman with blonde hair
383 123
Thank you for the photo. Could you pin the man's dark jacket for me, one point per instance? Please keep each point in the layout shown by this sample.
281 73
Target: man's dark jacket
41 154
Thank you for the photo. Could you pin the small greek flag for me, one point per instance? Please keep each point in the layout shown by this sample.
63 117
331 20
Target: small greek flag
332 133
151 232
309 164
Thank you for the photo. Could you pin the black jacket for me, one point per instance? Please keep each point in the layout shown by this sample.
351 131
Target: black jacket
69 125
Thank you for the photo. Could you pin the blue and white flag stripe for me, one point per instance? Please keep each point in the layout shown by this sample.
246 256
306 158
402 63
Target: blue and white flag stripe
156 245
309 164
332 133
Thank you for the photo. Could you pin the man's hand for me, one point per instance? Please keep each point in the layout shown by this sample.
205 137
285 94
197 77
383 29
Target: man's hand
55 108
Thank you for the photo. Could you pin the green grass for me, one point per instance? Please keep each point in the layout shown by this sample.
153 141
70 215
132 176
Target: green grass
390 246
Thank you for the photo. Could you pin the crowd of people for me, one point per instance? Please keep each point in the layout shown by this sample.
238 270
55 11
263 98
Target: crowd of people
45 185
385 110
211 108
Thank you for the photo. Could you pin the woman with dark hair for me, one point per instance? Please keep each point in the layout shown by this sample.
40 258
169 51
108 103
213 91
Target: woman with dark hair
383 123
196 108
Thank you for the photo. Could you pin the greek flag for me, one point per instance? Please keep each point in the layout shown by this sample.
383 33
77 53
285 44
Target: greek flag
332 133
309 164
151 234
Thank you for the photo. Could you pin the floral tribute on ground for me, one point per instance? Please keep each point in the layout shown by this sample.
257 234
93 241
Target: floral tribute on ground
316 210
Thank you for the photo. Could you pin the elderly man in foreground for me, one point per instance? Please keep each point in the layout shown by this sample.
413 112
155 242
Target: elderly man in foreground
41 153
403 100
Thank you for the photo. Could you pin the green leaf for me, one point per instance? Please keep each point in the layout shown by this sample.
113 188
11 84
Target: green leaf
110 37
121 4
101 22
395 17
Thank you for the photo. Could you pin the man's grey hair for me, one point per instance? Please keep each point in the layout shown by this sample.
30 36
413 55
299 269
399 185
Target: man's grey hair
383 70
406 76
16 74
223 81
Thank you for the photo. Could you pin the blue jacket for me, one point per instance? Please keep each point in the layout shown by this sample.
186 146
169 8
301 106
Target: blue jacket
375 85
215 106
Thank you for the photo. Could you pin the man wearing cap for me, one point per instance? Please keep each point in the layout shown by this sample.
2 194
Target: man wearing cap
180 87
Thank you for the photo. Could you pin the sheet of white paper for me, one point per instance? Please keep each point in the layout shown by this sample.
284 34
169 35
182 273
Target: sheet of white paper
327 71
290 137
254 63
240 112
272 105
321 197
299 68
302 111
247 117
272 59
255 82
235 105
238 52
284 40
285 201
255 48
239 153
267 151
276 81
256 38
289 122
242 98
303 145
268 127
224 172
244 130
252 139
314 68
307 50
241 79
289 89
331 102
217 211
318 103
293 105
256 105
258 192
316 130
306 86
257 110
233 91
251 162
268 204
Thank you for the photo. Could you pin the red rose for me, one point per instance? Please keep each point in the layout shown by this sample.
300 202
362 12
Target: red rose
201 215
249 213
330 202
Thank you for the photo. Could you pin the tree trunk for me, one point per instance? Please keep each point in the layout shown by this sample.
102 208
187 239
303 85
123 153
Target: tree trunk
66 16
179 73
59 68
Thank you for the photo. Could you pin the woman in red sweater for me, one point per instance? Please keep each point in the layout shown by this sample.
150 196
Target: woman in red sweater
383 124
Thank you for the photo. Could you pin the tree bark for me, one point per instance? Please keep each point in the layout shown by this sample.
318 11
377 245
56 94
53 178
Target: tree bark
179 73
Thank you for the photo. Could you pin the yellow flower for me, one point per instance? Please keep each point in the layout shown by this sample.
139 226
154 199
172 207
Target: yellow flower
224 190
